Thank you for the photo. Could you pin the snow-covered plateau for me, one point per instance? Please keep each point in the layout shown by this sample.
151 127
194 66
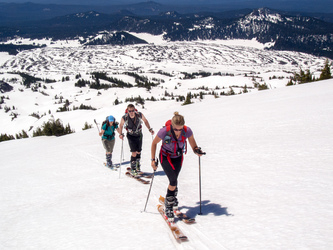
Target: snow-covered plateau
233 66
267 180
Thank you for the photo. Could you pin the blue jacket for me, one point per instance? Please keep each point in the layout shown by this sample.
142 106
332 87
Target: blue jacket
109 132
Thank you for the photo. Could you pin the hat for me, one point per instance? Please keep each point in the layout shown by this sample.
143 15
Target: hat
111 118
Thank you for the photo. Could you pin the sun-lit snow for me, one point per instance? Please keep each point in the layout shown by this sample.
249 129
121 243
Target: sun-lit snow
266 179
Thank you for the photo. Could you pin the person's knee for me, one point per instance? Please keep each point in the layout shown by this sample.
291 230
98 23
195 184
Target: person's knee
173 183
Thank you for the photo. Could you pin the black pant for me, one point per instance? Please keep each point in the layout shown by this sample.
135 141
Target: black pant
171 173
135 142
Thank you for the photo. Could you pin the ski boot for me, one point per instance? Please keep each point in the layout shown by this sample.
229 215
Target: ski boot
138 166
109 160
169 202
175 204
134 172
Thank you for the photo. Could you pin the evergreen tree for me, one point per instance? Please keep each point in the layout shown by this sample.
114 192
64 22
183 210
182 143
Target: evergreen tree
87 126
303 77
326 71
231 91
116 102
201 95
290 83
188 99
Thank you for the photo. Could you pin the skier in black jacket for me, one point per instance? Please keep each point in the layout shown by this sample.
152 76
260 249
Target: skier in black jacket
132 122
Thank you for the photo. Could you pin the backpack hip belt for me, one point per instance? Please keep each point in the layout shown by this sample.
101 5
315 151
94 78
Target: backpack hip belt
169 158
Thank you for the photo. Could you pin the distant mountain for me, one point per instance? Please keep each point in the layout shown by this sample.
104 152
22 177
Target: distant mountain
284 31
114 38
13 12
17 12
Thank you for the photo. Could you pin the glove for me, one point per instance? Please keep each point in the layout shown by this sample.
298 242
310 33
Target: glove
198 151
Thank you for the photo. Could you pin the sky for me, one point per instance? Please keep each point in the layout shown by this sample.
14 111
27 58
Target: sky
325 6
254 2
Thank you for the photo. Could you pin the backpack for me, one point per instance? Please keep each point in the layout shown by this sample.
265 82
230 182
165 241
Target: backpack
106 121
168 139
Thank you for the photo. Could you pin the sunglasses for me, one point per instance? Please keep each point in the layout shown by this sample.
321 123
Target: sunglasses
178 130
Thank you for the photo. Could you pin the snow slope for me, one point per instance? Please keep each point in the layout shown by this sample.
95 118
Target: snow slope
266 179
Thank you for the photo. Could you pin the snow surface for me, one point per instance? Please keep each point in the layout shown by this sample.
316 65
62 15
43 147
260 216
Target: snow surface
266 179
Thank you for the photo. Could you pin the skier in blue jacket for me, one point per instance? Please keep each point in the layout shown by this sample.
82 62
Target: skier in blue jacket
108 138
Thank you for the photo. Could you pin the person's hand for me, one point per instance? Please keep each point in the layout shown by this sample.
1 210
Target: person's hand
154 164
198 151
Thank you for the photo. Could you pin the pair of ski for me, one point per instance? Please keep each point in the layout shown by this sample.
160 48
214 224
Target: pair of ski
113 167
140 176
175 230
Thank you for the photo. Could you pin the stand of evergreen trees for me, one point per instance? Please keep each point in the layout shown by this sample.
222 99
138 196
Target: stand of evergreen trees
142 81
116 82
5 137
306 76
53 127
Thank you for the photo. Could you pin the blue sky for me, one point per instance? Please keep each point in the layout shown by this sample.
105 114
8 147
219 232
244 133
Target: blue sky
165 1
297 5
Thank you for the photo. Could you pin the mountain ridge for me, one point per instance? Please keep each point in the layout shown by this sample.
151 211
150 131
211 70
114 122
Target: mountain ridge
284 31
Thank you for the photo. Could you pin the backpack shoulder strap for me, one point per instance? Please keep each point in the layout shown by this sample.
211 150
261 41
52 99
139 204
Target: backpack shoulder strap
138 114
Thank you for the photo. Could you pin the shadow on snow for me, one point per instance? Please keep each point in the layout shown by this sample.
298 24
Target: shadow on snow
207 207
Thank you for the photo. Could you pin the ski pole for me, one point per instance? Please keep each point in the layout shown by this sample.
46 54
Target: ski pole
200 213
121 154
151 184
97 125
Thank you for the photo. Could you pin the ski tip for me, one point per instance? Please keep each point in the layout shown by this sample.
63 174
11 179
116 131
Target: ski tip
189 221
161 199
179 236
